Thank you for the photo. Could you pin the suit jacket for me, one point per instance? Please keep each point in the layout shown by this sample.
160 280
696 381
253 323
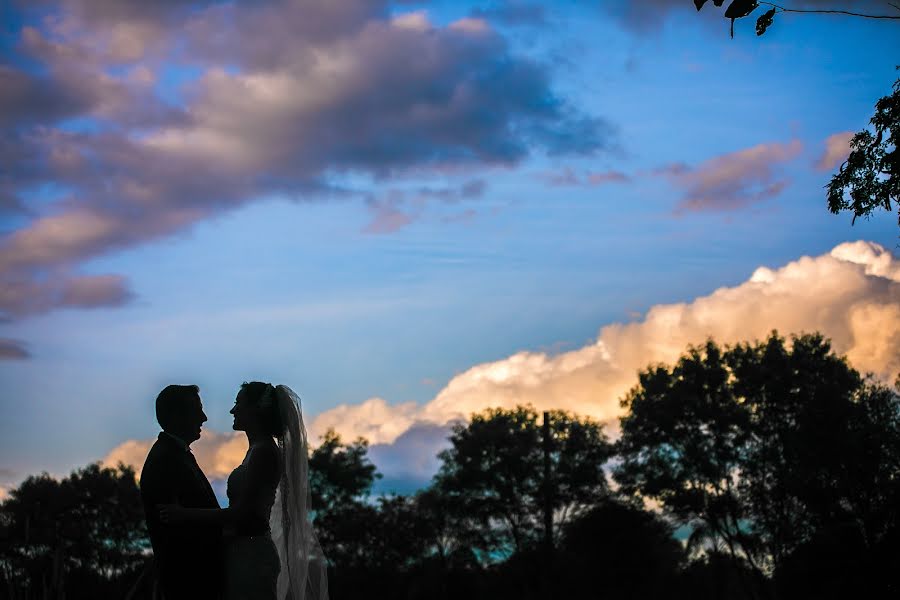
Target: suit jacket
188 557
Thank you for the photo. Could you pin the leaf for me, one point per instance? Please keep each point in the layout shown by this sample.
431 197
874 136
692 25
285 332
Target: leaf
765 21
740 8
699 3
718 2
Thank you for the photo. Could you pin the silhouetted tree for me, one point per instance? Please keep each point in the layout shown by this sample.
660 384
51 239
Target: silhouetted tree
620 551
761 447
739 9
824 444
492 475
682 443
340 473
81 537
341 478
869 179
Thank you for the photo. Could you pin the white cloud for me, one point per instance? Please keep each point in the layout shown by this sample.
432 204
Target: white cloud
851 294
3 493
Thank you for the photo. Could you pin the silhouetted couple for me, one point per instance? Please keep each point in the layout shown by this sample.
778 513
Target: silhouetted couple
262 547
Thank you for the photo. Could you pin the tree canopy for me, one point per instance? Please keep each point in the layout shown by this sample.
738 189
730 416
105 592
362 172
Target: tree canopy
766 469
760 447
493 472
869 180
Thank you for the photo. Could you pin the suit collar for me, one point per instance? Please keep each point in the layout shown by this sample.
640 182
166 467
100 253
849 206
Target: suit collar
174 440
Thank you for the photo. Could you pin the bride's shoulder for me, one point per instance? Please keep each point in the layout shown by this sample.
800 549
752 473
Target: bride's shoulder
264 452
264 459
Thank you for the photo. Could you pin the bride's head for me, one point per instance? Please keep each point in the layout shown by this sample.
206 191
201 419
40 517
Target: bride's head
256 409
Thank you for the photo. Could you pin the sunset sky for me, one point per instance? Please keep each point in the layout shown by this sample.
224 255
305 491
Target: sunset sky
411 211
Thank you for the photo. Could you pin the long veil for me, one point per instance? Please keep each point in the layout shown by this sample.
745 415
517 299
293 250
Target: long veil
303 567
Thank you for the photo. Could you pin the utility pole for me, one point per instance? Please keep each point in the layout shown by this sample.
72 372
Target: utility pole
548 492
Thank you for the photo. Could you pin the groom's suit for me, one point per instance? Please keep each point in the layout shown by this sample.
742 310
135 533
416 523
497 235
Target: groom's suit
188 557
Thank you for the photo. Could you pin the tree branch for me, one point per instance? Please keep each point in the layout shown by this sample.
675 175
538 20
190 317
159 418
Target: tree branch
833 12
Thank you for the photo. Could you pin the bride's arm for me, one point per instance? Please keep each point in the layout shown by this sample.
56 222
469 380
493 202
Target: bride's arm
174 514
262 465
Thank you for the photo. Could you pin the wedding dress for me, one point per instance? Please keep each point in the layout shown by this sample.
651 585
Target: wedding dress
273 553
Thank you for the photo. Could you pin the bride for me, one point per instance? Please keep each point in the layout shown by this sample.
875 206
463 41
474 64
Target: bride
271 551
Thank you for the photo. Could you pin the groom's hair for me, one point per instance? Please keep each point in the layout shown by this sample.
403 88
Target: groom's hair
171 401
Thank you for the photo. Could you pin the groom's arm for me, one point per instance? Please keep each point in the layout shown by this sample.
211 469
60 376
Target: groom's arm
262 472
159 485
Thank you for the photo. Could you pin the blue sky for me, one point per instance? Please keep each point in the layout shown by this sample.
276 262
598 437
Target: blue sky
549 197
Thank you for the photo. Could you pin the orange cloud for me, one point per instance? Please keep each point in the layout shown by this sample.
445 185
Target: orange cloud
851 294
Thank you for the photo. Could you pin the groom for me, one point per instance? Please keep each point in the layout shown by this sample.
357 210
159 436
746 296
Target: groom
188 557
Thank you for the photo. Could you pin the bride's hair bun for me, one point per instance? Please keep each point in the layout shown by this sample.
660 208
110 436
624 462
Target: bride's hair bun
264 396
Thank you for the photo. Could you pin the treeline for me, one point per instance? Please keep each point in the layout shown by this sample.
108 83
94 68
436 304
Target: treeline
765 470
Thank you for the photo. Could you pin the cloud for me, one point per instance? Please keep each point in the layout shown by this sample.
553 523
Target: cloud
284 98
387 217
512 12
734 180
13 350
397 208
7 476
837 149
217 453
567 177
410 461
600 178
407 463
851 294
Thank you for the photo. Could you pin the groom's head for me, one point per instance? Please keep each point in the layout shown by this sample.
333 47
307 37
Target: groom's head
180 411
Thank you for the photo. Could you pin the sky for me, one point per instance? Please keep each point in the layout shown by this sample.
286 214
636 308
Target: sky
412 211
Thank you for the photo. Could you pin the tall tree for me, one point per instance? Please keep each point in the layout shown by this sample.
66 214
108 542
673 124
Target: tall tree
621 551
82 536
341 477
493 473
762 446
683 439
340 473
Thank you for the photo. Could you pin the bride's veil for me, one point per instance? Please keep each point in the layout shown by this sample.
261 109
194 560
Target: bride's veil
303 568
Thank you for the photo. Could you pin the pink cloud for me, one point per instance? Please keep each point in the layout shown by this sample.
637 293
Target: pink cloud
13 350
837 149
387 218
734 180
289 92
569 177
607 177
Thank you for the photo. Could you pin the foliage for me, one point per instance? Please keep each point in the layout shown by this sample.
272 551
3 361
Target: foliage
88 526
739 9
869 180
492 474
340 473
760 447
682 443
633 549
871 174
781 460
